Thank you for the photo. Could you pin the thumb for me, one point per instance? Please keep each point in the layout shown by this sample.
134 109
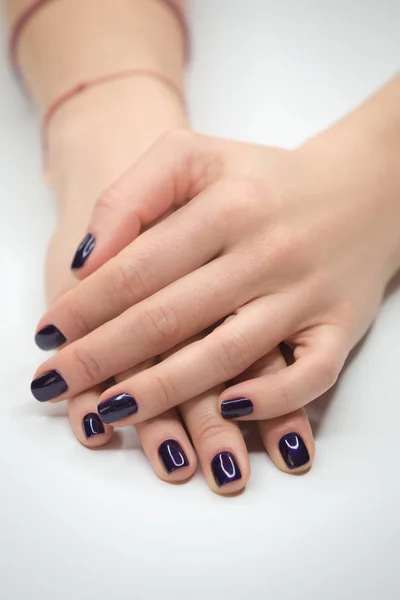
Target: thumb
172 172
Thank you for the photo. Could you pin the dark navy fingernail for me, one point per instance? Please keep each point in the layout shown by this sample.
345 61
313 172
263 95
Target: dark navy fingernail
83 251
116 408
172 456
49 338
293 450
48 386
237 407
225 468
92 425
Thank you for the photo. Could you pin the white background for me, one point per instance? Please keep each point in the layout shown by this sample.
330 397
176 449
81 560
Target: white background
77 525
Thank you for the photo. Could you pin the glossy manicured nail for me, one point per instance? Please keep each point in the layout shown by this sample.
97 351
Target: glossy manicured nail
48 386
293 450
225 468
172 456
83 251
116 408
92 425
49 338
237 407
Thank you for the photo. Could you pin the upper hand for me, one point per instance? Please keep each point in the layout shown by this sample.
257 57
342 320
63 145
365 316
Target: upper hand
290 246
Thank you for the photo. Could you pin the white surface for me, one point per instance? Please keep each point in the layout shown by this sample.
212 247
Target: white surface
77 525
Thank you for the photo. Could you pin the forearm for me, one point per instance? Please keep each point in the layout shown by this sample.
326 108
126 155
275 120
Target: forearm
72 41
365 147
68 41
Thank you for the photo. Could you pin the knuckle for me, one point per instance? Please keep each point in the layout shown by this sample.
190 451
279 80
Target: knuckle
78 318
127 283
233 353
289 249
109 198
209 428
87 365
285 401
194 163
240 199
166 393
161 324
182 140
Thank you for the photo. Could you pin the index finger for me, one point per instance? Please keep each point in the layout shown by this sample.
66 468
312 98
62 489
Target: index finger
180 244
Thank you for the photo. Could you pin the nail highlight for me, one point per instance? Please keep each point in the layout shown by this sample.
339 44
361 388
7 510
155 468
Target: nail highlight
293 450
49 338
92 425
48 386
236 407
83 251
172 456
225 468
117 408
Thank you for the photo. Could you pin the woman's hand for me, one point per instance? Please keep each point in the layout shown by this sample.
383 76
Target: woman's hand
295 246
80 167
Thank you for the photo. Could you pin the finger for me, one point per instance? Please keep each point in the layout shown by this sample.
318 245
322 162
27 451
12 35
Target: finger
164 441
174 170
168 447
172 249
317 365
85 422
161 322
156 259
220 356
289 441
219 444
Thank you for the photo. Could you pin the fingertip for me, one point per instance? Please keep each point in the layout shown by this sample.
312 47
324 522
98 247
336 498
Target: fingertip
226 475
82 253
289 442
90 431
174 461
49 337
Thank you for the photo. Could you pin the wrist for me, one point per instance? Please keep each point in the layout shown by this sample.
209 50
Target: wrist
358 158
99 133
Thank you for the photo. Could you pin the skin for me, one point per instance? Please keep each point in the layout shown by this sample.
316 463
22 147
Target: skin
91 141
277 240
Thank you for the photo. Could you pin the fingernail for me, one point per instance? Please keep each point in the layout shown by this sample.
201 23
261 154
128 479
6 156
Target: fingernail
237 407
172 456
92 425
83 251
293 450
49 338
225 468
116 408
48 386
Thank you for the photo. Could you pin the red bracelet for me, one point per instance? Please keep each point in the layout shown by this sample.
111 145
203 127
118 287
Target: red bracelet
81 87
35 5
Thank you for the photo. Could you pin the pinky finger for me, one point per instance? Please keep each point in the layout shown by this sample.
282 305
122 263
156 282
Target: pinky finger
85 422
314 371
288 439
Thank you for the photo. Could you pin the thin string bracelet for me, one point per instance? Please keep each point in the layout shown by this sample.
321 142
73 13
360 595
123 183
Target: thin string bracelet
102 79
